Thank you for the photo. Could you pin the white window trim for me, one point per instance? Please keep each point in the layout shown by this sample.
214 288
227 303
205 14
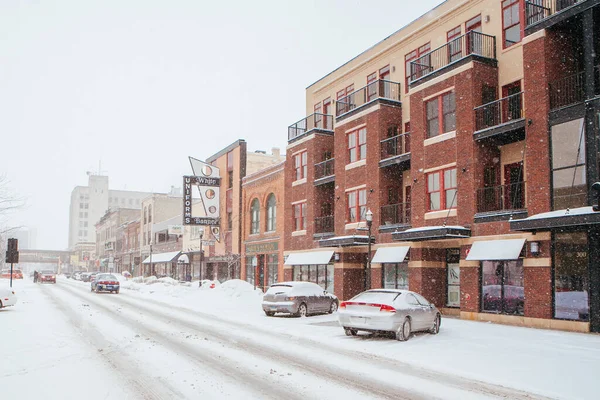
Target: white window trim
440 214
446 166
299 182
299 233
298 202
440 138
356 164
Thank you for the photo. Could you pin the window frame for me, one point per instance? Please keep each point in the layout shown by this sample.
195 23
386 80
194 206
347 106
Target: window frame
410 56
301 165
451 36
357 147
441 114
299 216
254 216
511 4
442 189
271 220
359 199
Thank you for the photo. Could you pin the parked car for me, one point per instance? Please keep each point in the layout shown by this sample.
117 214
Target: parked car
16 274
400 312
105 283
85 276
298 298
47 276
77 275
8 297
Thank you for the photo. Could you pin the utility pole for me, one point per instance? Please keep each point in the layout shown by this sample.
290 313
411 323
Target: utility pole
12 255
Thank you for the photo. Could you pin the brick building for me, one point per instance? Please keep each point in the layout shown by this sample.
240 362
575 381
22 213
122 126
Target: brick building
262 226
460 133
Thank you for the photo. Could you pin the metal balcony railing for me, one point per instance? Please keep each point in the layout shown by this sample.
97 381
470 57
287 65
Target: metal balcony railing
501 198
325 168
395 214
313 121
324 224
471 43
499 112
537 10
566 91
395 146
380 89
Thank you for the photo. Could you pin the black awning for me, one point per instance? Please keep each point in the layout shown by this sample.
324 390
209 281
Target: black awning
343 241
583 217
432 233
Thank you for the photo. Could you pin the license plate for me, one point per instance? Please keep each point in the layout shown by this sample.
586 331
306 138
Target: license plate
358 320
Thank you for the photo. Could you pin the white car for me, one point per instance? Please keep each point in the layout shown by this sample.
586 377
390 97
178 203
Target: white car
7 297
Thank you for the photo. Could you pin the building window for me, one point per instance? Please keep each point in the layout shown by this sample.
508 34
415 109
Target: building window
149 213
300 217
511 22
86 206
454 44
300 165
229 179
443 107
81 205
569 183
442 189
322 275
420 70
357 145
271 213
255 215
571 277
357 205
453 277
145 215
502 287
251 262
395 276
272 269
229 221
80 215
371 86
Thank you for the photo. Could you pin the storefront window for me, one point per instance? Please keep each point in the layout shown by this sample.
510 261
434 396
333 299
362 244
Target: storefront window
322 275
251 263
502 287
395 276
453 270
271 269
571 281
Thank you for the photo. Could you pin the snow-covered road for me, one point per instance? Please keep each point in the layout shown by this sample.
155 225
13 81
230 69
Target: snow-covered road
83 344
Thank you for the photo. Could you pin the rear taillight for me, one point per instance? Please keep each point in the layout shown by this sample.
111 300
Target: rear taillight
343 305
386 308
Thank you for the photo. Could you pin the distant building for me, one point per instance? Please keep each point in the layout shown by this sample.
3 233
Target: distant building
89 203
107 235
25 236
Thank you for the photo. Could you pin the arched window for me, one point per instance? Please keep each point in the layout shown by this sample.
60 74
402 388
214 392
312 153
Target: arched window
271 213
255 213
150 213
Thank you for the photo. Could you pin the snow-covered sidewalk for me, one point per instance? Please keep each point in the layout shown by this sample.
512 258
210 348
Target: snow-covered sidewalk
550 363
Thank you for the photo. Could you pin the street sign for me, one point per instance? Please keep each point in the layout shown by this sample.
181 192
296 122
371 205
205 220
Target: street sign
12 252
175 229
208 243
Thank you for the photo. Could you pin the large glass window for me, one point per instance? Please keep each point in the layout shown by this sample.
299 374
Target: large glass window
511 22
357 145
443 106
453 271
442 189
357 205
502 287
255 214
251 262
272 266
395 275
571 280
322 275
569 186
271 213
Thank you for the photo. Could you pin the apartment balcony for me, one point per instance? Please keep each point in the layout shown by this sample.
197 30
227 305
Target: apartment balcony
324 226
396 151
570 90
324 172
470 46
394 216
542 14
502 119
321 123
380 90
498 203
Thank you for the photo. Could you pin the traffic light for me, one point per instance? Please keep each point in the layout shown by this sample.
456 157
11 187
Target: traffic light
12 253
596 189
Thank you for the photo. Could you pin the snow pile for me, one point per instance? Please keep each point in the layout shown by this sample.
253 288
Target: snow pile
168 281
239 288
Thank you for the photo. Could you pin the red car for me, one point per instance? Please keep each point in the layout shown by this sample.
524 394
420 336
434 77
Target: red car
17 274
47 276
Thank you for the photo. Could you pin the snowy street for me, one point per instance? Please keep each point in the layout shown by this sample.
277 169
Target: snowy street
161 341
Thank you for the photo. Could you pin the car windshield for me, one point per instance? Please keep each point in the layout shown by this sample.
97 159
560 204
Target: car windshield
376 297
107 277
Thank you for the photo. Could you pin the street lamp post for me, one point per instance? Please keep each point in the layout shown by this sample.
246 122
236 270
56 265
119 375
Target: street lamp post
150 258
369 218
201 233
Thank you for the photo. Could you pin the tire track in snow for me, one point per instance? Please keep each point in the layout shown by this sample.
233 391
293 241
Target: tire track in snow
204 359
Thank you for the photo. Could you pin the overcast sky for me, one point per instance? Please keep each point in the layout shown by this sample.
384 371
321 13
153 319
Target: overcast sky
139 85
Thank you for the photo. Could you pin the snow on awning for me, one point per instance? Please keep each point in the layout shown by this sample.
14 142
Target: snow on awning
183 259
432 233
311 257
390 254
574 217
350 240
162 257
505 249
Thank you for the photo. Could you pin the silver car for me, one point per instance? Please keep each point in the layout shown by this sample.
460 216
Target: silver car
387 310
298 298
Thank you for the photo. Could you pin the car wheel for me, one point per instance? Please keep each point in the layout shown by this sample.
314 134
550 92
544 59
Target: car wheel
302 310
117 291
97 290
91 289
350 332
333 308
435 329
403 332
269 313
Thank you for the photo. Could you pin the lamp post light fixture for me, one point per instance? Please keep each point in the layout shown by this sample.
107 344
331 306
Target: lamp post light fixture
369 218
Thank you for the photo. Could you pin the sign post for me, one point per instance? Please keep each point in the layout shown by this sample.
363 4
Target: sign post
12 255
